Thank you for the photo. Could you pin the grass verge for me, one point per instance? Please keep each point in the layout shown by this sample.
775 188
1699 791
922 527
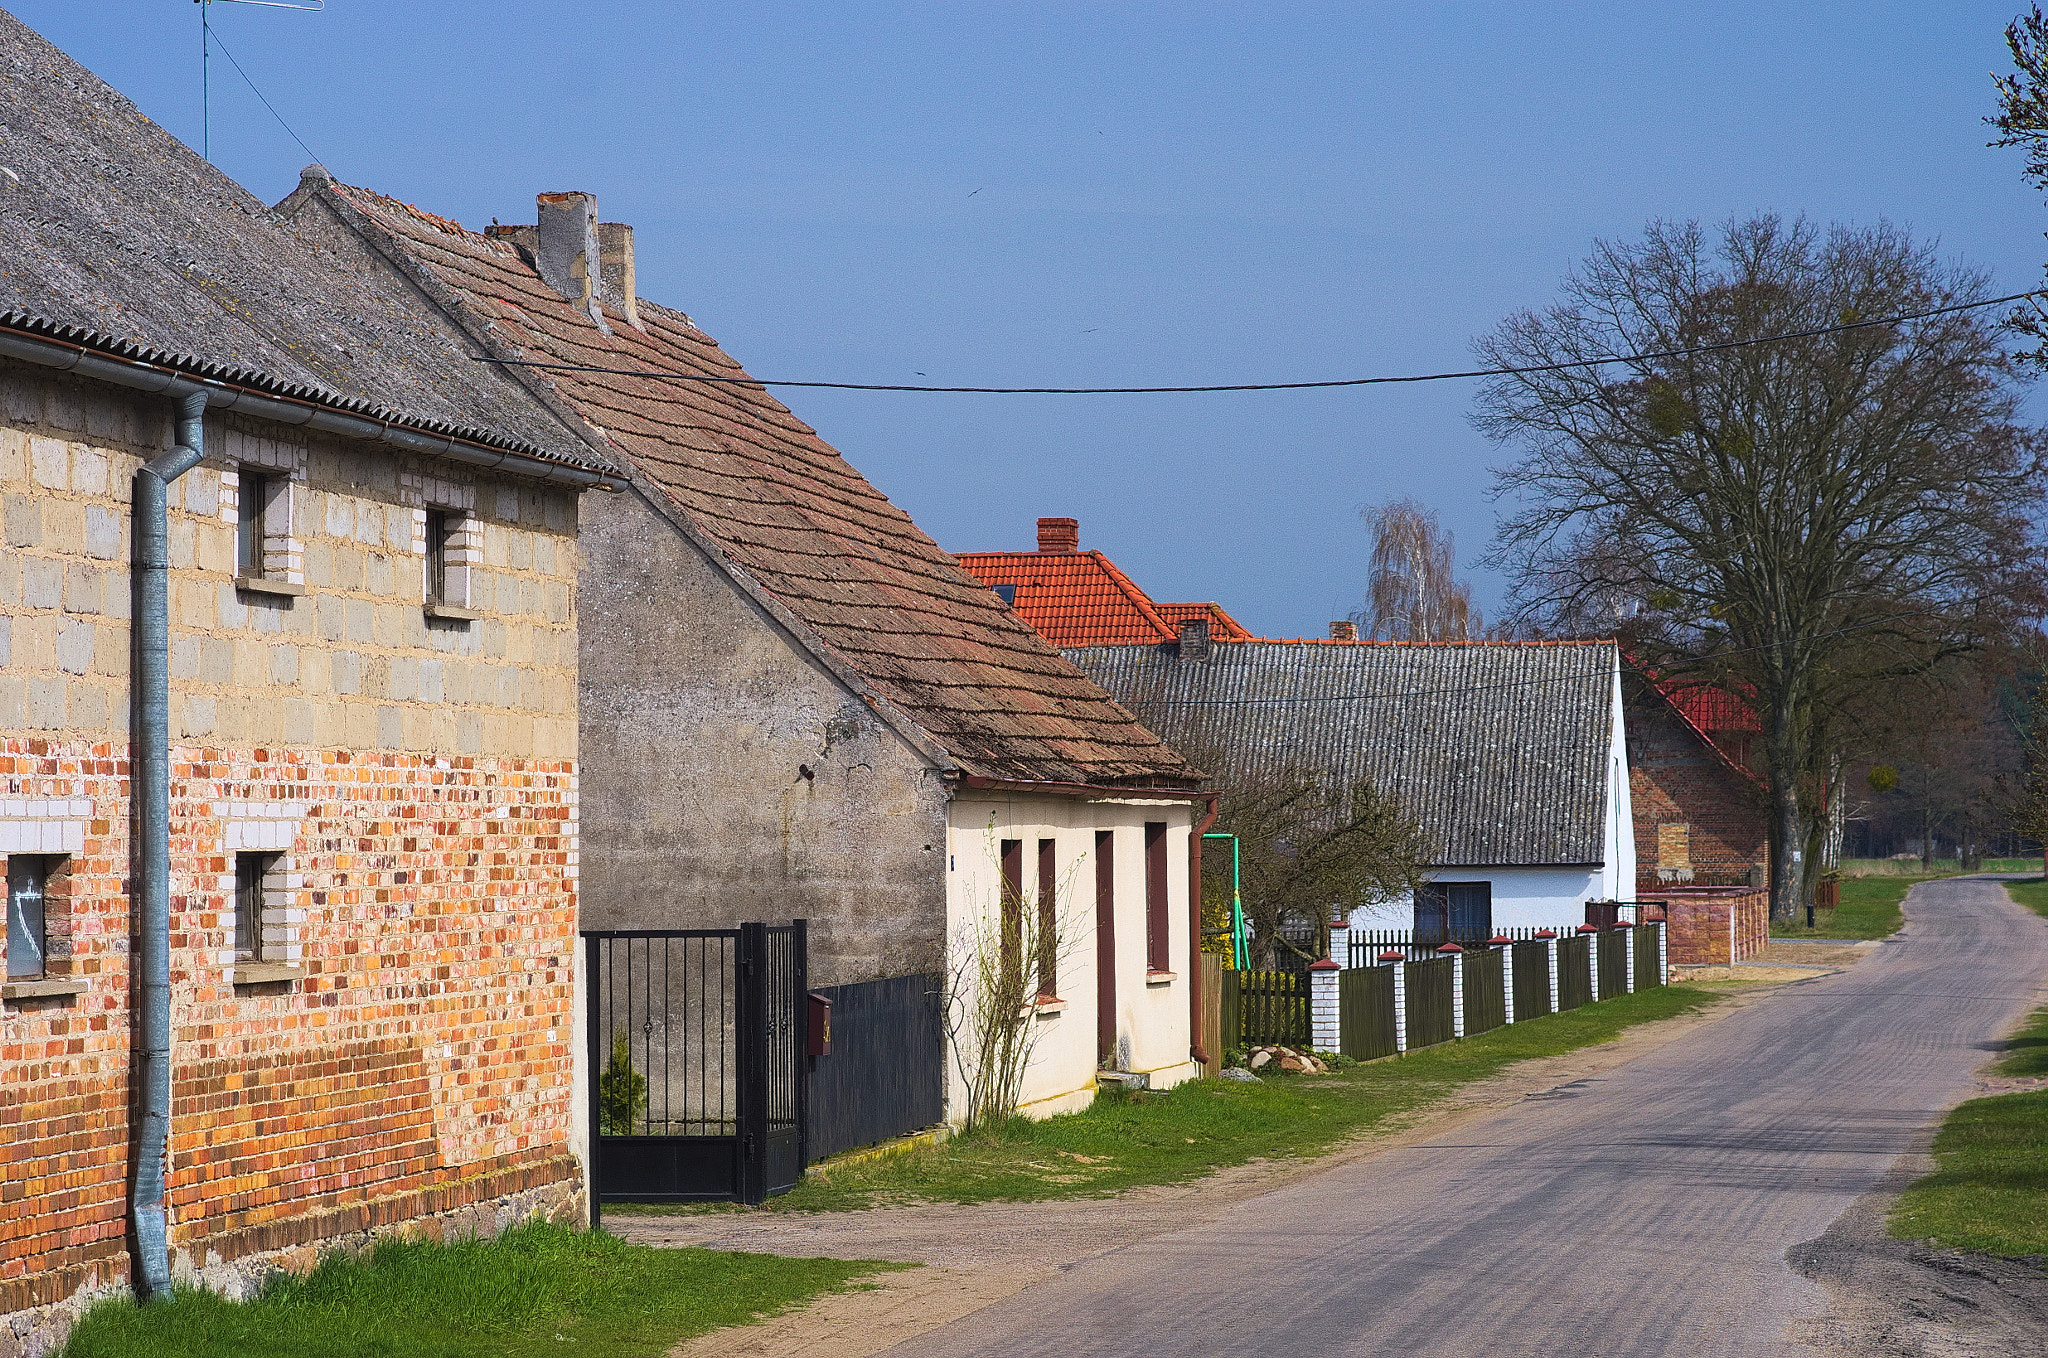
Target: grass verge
1991 1190
2032 893
1126 1140
1870 908
537 1289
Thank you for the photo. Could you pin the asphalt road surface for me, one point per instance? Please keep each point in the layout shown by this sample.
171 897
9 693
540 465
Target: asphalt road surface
1646 1212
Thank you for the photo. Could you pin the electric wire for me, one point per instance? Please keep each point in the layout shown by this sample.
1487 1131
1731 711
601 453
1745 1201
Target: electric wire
1274 386
215 35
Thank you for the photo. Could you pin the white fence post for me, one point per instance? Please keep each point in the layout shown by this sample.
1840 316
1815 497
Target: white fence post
1549 937
1340 941
1398 960
1325 1026
1592 937
1457 956
1629 957
1663 957
1507 972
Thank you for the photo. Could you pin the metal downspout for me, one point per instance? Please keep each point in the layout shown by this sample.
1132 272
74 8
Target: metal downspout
150 795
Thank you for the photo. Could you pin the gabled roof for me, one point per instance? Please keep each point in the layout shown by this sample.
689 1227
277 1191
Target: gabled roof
1077 598
1498 749
117 238
1072 598
783 512
1222 627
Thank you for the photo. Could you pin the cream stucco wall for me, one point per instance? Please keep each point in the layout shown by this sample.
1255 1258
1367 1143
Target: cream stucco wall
1152 1023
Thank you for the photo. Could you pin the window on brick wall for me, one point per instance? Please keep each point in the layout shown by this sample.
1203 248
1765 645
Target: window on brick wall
253 882
28 935
452 544
252 499
437 556
1156 925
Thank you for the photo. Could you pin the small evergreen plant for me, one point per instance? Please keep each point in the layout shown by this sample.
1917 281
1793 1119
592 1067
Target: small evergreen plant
621 1090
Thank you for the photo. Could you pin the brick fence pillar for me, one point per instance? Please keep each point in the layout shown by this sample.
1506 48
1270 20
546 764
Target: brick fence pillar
1325 1026
1592 937
1398 960
1457 956
1507 970
1340 941
1628 957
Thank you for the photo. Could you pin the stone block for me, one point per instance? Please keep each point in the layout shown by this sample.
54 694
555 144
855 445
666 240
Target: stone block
345 669
197 715
102 532
74 645
88 469
50 463
42 583
85 588
24 515
284 664
46 704
63 523
13 456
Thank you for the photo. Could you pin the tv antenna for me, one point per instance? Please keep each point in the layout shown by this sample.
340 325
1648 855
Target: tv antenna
206 60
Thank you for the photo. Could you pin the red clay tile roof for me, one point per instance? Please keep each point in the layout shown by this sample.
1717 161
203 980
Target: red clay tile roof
791 514
1073 598
1222 627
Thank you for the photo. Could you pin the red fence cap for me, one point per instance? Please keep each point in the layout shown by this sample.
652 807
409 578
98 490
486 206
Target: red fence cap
1546 933
1393 955
1500 939
1589 928
1450 947
1324 964
1624 924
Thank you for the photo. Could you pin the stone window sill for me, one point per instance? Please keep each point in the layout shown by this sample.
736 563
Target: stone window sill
452 613
263 584
265 973
1048 1006
1161 977
42 990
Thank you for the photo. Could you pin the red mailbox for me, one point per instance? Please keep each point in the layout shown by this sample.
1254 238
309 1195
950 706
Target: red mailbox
819 1036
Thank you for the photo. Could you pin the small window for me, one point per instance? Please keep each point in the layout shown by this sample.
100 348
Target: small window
1007 593
1048 940
251 870
1157 956
28 880
1453 912
437 556
1012 957
251 499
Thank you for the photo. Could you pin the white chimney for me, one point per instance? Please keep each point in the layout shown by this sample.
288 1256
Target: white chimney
565 250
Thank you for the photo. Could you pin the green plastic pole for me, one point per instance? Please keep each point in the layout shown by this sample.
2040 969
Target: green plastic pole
1240 944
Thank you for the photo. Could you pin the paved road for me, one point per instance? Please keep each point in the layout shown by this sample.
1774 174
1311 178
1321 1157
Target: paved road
1643 1213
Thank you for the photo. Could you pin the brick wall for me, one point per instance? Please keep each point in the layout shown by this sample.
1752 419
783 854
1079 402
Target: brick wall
1712 927
1697 821
410 1057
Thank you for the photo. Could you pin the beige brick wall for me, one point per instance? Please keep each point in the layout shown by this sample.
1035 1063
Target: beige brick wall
416 777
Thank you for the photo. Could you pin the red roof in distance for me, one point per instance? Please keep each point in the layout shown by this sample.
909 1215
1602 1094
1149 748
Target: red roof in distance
1077 598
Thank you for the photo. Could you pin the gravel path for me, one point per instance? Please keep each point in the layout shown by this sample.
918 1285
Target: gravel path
1644 1206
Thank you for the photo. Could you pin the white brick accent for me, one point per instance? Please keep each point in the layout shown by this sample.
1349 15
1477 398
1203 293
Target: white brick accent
1457 994
1325 1025
42 836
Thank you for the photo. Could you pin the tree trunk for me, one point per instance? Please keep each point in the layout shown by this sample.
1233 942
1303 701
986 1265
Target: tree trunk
1783 769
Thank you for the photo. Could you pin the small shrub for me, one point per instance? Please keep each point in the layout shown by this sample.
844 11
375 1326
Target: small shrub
621 1090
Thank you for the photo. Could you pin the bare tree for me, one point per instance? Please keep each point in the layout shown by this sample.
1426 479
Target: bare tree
2022 121
1310 846
1803 522
1413 593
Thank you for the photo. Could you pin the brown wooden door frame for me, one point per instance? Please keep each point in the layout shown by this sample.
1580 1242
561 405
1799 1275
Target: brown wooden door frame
1105 947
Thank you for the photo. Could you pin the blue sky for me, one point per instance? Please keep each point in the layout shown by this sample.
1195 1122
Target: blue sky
1110 194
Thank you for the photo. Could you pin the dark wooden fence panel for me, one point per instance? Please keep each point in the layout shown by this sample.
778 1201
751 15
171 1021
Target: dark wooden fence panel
1611 948
883 1078
1574 971
1429 1002
1365 1012
1647 971
1232 1005
1274 1008
1211 1036
1486 996
1532 980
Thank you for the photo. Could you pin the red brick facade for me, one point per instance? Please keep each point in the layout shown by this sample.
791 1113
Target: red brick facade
1712 927
421 1062
1699 821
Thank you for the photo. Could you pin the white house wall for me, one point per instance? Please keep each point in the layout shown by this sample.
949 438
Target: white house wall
1153 1033
1523 898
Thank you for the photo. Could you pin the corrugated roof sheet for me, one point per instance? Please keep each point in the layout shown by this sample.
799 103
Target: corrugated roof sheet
1499 750
788 510
116 236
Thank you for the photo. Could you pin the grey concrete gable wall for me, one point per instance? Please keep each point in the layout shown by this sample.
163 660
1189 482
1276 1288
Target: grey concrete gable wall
698 714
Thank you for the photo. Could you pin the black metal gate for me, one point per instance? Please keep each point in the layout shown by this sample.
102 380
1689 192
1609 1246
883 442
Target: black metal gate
697 1063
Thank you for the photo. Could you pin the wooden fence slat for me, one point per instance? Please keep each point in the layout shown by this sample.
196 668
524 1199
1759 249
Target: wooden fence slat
1532 980
1365 1012
1274 1008
1429 1002
1211 1036
1574 972
1486 996
1232 1007
1612 950
1647 973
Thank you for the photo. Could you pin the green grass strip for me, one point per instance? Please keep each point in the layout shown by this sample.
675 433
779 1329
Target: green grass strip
1126 1140
2032 893
1991 1192
1870 908
537 1289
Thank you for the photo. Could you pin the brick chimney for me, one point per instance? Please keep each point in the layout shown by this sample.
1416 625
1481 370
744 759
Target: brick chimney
1194 639
616 286
1343 630
1059 535
565 249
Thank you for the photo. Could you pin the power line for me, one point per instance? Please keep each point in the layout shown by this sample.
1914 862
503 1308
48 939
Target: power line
207 30
1271 386
1601 673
